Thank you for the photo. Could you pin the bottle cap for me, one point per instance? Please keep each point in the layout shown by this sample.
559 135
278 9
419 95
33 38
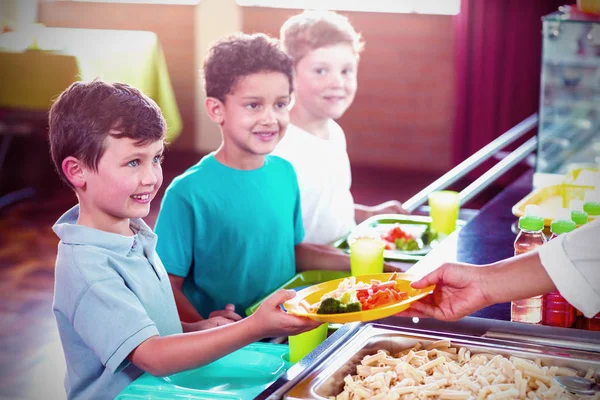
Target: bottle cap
533 210
562 223
531 223
592 209
591 203
579 217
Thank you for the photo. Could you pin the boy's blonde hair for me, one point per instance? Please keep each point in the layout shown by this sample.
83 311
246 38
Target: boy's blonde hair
311 30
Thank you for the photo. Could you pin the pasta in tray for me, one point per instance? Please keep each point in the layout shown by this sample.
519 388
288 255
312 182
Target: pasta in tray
440 371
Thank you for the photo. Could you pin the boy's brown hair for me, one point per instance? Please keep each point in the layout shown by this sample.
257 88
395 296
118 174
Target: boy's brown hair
311 30
87 112
237 56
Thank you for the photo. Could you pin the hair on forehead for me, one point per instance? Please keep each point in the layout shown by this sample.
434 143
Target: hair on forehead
237 56
311 30
86 113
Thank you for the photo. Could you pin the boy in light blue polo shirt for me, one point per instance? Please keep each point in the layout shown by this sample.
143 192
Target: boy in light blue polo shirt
113 302
230 227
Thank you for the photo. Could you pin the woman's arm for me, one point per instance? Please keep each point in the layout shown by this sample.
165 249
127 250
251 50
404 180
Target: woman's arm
462 289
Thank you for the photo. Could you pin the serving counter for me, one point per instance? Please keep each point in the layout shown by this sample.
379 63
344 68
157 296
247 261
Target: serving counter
487 238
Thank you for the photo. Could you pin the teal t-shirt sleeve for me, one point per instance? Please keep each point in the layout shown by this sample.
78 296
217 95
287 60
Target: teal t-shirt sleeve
112 322
298 224
175 231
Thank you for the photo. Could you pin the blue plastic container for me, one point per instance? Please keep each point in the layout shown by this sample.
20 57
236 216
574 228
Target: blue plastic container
240 375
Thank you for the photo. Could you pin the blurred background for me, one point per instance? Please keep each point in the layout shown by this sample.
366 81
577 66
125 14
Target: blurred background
438 80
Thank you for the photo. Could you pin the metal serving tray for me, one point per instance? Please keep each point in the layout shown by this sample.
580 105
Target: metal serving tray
326 379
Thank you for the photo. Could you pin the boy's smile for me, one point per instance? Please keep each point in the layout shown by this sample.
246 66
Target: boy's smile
253 119
127 179
325 81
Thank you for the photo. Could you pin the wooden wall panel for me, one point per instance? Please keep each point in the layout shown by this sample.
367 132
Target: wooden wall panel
174 26
403 113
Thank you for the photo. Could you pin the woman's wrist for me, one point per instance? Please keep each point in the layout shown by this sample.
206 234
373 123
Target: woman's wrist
489 277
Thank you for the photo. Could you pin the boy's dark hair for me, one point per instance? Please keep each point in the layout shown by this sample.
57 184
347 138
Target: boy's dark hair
239 55
87 112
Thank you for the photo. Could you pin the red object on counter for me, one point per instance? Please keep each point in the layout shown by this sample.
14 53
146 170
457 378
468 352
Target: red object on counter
557 311
593 324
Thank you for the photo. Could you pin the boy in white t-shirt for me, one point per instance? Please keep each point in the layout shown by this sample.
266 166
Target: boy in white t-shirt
325 49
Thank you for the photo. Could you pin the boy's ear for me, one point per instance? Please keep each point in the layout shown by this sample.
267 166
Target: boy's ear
74 171
215 109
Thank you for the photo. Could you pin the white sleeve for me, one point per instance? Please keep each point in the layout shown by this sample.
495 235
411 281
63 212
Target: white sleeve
573 263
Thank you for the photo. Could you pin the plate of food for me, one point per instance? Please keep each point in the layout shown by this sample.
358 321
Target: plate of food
407 237
360 298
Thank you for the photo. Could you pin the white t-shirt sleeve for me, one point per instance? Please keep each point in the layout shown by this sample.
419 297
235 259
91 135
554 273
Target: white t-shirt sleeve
573 263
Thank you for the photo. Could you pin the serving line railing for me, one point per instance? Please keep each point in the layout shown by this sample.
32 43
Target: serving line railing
486 152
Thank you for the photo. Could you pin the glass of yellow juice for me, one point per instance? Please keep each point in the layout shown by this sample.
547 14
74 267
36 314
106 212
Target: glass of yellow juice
366 255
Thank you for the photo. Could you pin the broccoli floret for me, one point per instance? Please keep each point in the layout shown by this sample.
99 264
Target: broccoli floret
329 306
429 235
353 307
400 244
412 245
334 306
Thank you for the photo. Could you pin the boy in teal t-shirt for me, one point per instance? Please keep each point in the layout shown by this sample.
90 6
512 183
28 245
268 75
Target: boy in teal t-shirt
230 227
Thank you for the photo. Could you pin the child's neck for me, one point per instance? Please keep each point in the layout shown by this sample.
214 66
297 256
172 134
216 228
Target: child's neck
104 223
237 160
305 120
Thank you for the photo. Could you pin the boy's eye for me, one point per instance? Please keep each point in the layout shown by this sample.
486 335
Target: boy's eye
133 163
158 159
321 71
347 71
253 106
282 104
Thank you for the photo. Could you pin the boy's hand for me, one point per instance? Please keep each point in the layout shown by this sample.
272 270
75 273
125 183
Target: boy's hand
460 290
211 322
228 312
276 322
389 207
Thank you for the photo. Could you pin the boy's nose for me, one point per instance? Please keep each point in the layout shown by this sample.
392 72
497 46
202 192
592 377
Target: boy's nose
150 176
268 116
336 79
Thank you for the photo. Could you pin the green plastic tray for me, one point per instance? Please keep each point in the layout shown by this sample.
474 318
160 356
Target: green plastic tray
387 221
306 278
240 375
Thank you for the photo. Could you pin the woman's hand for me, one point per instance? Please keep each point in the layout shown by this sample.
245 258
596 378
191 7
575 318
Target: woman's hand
460 290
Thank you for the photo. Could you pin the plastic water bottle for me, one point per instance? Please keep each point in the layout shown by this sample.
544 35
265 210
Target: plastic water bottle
529 238
556 311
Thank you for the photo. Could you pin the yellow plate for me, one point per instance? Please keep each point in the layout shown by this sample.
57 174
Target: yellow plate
314 293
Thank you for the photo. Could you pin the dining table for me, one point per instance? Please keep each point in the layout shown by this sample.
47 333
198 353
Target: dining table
39 62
